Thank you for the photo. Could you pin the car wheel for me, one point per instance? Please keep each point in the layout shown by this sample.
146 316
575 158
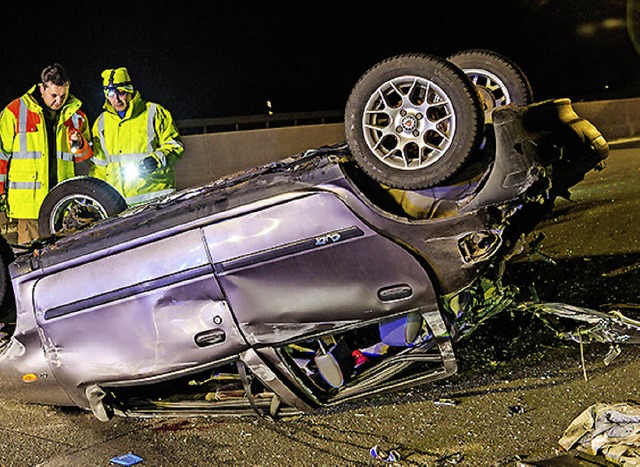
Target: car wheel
76 203
7 304
411 121
499 81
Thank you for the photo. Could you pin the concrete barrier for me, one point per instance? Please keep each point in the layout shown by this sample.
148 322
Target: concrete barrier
616 119
210 156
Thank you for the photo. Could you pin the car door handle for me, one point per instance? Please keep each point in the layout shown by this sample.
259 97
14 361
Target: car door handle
210 337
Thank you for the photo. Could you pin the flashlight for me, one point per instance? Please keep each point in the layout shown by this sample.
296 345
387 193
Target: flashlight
111 91
76 141
131 172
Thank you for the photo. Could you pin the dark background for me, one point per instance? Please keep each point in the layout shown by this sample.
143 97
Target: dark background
223 59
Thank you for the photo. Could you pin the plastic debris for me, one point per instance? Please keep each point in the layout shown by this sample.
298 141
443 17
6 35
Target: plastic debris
391 456
127 459
517 409
443 401
450 458
612 430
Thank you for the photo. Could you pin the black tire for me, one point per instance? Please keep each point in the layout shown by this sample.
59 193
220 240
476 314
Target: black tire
412 121
498 80
7 303
76 203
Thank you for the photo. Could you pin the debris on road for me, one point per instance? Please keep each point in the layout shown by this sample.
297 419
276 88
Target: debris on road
612 327
444 401
612 430
126 459
622 270
517 409
379 454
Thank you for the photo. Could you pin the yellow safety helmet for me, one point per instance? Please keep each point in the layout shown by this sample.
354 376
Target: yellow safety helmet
116 79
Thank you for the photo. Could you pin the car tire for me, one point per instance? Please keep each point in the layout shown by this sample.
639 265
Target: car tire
413 120
499 80
76 203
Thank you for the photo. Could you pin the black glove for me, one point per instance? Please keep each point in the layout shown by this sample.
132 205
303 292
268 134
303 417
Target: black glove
148 165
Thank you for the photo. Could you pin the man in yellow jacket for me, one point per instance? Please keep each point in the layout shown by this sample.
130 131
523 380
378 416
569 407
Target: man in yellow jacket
136 143
39 136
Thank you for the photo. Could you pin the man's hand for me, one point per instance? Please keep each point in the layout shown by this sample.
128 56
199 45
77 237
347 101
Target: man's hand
148 165
76 141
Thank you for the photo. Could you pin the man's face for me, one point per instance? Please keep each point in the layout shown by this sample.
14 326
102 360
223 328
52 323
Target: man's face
54 96
119 99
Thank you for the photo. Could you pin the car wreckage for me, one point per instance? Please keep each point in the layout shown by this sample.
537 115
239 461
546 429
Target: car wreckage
335 274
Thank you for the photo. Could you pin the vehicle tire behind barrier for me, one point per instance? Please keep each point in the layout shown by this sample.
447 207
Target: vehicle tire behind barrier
76 203
413 120
498 79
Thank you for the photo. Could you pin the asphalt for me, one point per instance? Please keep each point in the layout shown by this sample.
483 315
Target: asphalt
505 412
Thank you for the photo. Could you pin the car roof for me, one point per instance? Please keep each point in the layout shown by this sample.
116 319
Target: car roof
187 208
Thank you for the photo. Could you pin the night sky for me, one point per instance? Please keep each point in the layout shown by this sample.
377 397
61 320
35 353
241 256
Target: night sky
225 59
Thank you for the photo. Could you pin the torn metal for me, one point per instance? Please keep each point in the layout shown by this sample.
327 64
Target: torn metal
581 324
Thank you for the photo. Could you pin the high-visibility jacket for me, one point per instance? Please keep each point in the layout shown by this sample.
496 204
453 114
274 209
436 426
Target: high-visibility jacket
24 151
119 144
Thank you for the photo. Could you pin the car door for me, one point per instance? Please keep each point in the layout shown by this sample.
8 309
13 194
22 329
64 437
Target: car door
146 311
310 264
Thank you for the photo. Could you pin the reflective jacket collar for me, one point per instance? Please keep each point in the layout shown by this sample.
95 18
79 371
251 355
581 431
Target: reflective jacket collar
136 107
68 109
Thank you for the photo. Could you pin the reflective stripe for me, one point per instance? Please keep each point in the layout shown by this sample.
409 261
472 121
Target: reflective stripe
25 185
161 157
64 156
126 158
101 135
99 162
3 156
3 178
151 132
27 155
22 134
22 126
148 196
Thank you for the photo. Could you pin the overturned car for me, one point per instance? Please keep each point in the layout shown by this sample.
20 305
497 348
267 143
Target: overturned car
331 275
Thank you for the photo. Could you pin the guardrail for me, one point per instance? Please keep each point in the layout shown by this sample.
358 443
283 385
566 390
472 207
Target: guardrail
252 122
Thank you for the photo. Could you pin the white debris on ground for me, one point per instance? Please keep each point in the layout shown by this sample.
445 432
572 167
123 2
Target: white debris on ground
612 430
